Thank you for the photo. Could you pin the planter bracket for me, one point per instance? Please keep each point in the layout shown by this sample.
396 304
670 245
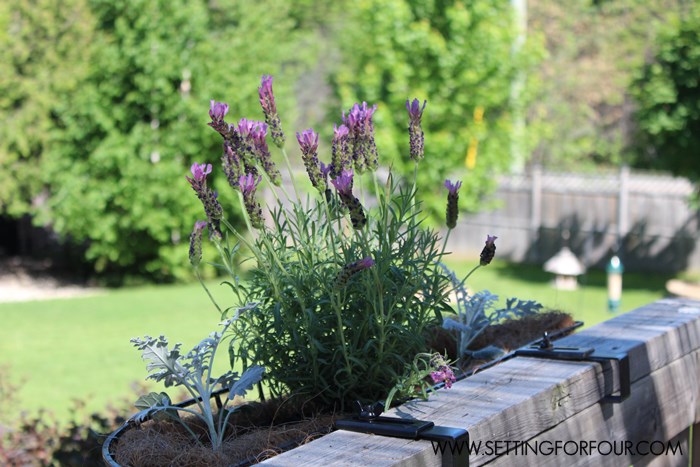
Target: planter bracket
453 442
545 349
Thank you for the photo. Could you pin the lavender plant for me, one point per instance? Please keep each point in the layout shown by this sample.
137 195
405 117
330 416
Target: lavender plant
193 371
345 294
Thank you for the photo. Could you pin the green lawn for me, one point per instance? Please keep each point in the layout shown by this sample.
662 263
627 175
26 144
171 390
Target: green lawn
588 304
79 348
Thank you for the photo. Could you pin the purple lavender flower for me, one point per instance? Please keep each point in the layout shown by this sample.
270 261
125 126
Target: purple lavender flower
248 184
245 144
489 250
217 112
245 126
196 243
325 170
267 102
453 187
452 203
361 128
350 270
343 185
232 164
200 172
212 208
340 151
308 142
415 132
258 137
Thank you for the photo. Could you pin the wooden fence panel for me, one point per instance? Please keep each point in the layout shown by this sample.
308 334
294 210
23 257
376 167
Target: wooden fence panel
647 217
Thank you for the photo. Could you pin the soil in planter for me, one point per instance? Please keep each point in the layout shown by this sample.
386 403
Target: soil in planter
257 432
508 335
262 430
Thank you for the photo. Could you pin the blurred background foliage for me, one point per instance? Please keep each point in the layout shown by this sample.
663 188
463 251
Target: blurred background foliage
104 103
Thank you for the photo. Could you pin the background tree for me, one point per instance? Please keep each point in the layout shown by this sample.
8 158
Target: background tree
458 56
116 166
42 48
667 91
594 48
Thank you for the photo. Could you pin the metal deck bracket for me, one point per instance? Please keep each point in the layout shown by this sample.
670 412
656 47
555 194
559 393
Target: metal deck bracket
368 419
545 349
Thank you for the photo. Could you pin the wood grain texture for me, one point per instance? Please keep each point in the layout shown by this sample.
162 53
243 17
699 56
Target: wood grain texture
529 398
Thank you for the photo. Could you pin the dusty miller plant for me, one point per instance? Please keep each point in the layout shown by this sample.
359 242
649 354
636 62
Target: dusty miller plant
478 311
193 371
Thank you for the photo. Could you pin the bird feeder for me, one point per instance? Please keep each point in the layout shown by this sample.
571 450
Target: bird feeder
566 267
614 270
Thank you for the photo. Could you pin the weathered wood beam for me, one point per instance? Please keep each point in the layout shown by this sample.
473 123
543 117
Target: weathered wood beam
525 398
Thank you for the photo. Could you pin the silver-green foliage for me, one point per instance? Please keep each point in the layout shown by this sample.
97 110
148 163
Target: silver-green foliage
478 311
193 371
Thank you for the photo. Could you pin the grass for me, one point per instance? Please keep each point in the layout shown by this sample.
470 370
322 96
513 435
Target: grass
79 348
589 303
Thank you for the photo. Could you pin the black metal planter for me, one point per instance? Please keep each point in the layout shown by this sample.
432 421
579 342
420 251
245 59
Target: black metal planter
110 442
387 426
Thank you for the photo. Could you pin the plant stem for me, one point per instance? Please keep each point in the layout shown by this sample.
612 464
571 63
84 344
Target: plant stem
206 289
291 173
341 332
470 273
444 245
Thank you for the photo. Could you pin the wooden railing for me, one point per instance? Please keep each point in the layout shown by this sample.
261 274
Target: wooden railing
535 411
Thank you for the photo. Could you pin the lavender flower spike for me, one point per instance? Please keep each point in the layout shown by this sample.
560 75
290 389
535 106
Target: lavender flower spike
343 184
257 136
196 243
340 151
489 250
308 142
212 208
232 164
200 172
248 184
350 270
364 148
415 131
452 203
267 102
217 112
